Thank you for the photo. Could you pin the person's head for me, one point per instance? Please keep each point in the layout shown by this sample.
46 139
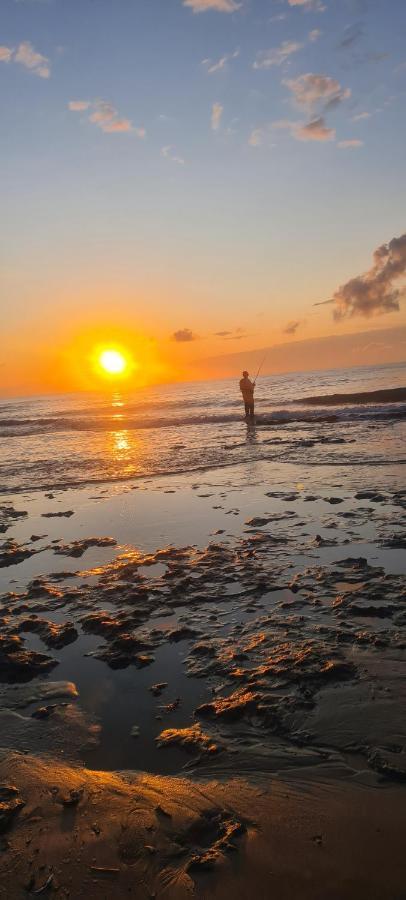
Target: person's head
245 374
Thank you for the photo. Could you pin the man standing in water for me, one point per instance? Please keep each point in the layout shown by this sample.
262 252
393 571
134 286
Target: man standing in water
247 389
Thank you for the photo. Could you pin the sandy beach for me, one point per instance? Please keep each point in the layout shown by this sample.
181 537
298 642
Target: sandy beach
202 685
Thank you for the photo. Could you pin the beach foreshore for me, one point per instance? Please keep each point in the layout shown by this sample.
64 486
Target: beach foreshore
103 834
210 671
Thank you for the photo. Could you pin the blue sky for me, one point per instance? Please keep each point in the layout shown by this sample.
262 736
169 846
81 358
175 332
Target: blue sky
215 169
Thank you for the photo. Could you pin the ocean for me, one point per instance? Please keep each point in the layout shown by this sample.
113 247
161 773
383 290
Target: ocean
63 441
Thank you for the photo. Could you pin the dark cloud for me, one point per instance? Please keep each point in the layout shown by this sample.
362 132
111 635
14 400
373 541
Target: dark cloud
237 335
374 293
184 335
351 35
291 327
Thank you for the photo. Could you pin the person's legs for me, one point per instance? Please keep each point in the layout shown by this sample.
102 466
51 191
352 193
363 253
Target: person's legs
247 409
251 410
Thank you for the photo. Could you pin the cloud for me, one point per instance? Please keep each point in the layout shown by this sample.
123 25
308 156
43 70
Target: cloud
374 293
360 116
31 59
78 105
105 116
316 91
314 35
238 334
184 336
291 327
277 55
221 64
225 6
350 145
168 153
309 5
26 56
216 114
256 137
315 130
351 35
6 54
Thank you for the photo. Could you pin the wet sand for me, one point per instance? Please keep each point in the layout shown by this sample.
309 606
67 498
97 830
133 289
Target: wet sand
222 627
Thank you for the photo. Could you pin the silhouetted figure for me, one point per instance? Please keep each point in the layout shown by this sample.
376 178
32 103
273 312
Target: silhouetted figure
247 389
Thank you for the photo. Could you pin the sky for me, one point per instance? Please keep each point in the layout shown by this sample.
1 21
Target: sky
196 179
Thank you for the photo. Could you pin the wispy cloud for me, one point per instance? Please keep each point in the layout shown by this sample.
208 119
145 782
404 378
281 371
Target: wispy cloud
276 55
291 327
221 63
315 130
216 114
313 91
169 153
360 116
351 35
78 105
27 56
309 5
374 293
184 336
237 334
351 144
225 6
314 35
105 116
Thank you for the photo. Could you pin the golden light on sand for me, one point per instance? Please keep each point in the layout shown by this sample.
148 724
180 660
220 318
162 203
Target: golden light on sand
113 362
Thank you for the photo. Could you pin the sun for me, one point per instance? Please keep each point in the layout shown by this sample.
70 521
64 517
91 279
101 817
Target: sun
113 362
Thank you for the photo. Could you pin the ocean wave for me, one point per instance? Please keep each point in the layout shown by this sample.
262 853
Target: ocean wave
38 426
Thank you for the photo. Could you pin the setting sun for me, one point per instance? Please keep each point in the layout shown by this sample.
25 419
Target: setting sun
113 362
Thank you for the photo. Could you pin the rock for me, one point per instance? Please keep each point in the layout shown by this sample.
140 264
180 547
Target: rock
52 634
156 689
10 804
12 553
190 739
73 798
8 515
18 664
56 515
182 633
123 651
232 707
78 548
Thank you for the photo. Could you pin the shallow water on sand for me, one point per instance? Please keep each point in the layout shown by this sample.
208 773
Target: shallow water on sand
283 502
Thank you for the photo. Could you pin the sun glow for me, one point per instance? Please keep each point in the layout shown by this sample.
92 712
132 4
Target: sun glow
113 362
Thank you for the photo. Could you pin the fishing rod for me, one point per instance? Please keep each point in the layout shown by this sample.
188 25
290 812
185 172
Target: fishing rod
260 366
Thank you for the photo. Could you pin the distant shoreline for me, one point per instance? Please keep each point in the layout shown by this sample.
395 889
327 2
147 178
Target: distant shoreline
388 395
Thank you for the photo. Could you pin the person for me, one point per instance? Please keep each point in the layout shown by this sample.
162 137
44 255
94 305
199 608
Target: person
247 389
